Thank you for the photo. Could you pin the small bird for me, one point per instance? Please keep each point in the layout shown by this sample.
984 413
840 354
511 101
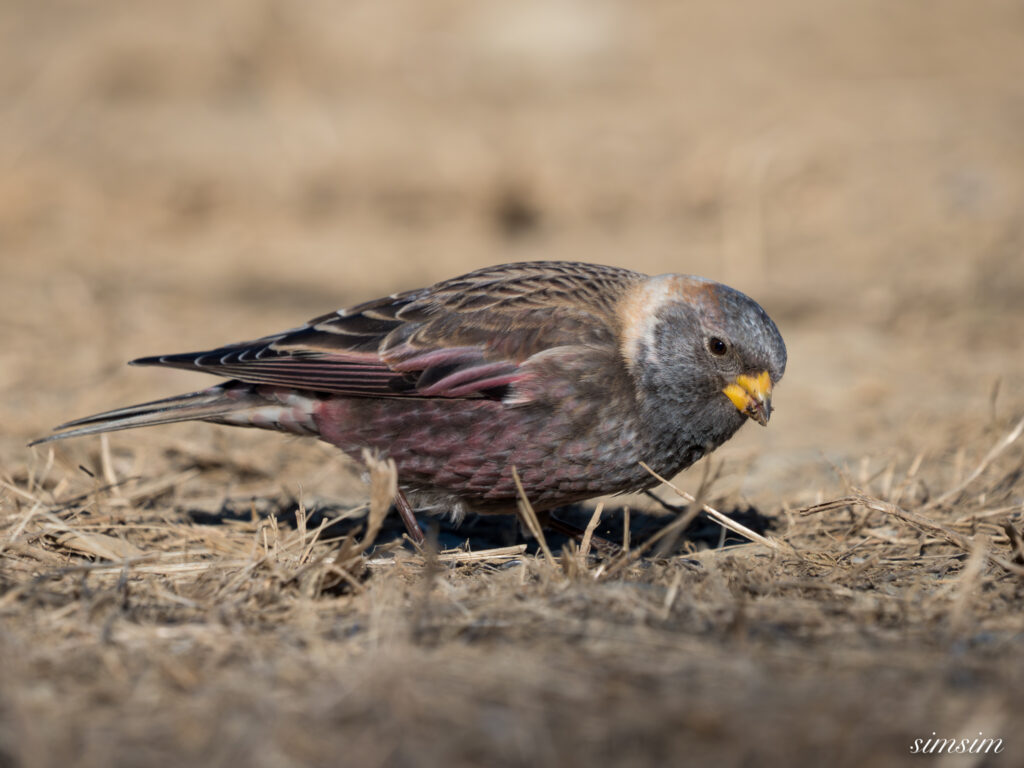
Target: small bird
567 374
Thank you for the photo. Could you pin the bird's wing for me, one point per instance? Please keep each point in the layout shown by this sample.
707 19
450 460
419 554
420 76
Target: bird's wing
471 336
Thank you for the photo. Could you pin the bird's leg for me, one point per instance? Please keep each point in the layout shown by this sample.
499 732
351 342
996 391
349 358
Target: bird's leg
408 515
597 543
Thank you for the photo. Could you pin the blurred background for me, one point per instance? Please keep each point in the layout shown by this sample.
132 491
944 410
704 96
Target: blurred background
178 175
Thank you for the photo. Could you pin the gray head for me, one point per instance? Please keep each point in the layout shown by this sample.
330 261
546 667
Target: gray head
702 347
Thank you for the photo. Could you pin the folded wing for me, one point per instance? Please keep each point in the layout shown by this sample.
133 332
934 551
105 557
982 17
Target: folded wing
473 336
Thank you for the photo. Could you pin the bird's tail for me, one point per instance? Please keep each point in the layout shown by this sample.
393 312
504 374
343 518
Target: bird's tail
233 402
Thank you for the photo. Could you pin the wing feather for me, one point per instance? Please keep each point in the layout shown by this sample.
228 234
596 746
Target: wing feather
472 336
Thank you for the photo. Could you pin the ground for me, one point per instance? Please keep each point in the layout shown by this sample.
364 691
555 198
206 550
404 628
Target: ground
179 175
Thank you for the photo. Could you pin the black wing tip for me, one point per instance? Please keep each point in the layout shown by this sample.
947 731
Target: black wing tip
59 433
210 358
150 360
186 360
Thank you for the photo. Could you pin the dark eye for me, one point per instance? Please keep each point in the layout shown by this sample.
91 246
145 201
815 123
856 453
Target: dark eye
717 346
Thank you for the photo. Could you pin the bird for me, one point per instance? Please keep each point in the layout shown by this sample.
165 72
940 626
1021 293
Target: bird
567 377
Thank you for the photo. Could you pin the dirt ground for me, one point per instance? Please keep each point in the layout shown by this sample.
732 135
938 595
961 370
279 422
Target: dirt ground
178 175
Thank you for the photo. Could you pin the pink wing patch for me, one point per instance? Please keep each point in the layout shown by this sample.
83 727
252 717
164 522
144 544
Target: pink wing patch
458 372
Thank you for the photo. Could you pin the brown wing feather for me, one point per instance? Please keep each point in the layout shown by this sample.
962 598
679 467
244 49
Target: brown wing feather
470 336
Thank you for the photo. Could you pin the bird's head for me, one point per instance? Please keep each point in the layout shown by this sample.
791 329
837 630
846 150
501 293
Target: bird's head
702 345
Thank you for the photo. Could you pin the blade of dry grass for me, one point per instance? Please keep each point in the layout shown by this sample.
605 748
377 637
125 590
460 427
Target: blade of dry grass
20 527
153 488
19 492
718 517
496 555
1016 543
967 584
94 544
915 519
588 533
383 489
107 464
529 517
142 565
628 558
1005 442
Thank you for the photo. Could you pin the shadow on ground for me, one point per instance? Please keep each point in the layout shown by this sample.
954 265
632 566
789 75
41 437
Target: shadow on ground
481 532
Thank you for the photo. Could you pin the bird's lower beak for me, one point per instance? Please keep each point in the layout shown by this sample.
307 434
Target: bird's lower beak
752 396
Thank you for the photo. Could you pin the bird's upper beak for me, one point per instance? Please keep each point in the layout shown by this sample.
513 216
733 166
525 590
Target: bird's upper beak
752 396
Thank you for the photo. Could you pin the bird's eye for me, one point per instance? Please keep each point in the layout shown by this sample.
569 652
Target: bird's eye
717 346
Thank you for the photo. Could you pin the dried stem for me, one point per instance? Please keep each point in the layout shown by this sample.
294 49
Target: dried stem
718 517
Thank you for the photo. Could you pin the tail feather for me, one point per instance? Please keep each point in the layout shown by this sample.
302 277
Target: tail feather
206 404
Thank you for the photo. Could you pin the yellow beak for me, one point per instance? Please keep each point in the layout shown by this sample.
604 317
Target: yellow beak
752 396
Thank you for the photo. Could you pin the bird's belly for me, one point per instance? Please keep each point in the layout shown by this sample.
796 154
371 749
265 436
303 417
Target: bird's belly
467 448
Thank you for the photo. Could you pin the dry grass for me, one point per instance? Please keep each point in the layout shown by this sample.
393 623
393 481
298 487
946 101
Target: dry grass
131 634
